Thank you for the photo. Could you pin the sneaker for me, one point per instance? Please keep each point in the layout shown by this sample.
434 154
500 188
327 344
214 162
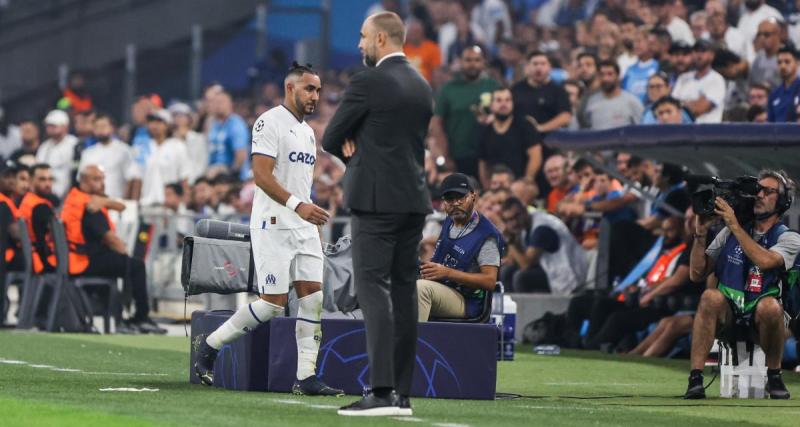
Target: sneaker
126 327
775 387
696 390
204 362
313 386
148 326
374 406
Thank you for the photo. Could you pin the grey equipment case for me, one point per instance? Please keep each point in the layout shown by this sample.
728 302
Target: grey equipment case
218 260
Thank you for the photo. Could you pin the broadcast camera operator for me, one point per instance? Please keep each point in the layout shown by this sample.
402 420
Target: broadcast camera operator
748 258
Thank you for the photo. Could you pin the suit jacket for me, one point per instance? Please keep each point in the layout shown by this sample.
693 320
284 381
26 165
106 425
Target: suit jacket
386 111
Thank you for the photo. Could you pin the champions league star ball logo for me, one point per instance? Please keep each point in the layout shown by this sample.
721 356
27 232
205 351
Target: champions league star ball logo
343 354
259 125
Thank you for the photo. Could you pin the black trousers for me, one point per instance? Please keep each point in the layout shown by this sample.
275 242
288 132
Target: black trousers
385 253
132 270
625 322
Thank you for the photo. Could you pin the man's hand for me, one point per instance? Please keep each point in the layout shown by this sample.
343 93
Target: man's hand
434 271
312 213
702 224
646 299
725 211
349 148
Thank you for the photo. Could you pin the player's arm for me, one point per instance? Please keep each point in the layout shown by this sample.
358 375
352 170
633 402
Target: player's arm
263 167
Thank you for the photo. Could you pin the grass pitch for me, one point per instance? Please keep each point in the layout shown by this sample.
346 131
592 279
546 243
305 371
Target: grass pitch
56 380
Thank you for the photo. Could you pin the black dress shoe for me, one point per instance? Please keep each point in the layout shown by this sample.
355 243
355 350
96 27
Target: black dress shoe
405 404
374 406
146 325
775 387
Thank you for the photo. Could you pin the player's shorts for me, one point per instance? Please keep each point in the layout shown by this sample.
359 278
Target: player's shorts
283 257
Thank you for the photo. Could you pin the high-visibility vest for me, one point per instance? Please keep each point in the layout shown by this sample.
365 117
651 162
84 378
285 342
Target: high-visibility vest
30 202
72 216
9 255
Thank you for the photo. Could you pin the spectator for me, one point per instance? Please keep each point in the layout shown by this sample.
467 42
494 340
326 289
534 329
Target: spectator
764 68
140 137
678 29
26 154
575 91
501 178
76 97
638 74
672 192
657 88
681 60
493 18
556 171
783 101
587 72
422 53
611 107
465 260
511 55
698 22
57 151
174 202
114 157
724 35
228 138
758 95
702 91
451 44
662 45
454 125
196 143
10 138
526 191
539 97
668 111
508 140
545 257
756 12
168 161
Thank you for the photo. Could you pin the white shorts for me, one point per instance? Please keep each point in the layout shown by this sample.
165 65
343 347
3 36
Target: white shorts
283 257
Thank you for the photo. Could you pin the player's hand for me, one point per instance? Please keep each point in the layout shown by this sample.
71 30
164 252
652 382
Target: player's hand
349 148
312 213
434 271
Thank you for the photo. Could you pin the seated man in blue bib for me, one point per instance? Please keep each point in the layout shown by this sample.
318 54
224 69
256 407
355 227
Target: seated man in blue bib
749 260
466 259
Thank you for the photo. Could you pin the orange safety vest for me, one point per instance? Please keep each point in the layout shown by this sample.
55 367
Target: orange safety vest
72 216
26 207
663 267
9 255
77 102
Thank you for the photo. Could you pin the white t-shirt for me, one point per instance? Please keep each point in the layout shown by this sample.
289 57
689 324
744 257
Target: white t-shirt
116 159
278 134
166 163
712 85
59 155
749 21
738 44
678 29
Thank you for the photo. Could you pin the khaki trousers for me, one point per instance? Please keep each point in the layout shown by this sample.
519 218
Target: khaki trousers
438 300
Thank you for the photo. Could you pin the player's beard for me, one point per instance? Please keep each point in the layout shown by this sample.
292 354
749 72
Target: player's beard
305 108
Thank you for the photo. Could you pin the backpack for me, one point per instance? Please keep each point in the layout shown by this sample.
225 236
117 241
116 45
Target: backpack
548 329
74 312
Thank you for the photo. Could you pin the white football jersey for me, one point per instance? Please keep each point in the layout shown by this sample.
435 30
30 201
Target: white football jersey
278 134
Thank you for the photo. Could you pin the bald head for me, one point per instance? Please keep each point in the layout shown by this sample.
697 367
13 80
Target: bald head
390 24
92 180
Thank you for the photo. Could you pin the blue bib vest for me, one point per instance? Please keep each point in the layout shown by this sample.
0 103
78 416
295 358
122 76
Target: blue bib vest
733 268
460 253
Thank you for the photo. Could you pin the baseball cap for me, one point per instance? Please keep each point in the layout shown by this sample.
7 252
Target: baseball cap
180 108
57 118
162 115
457 183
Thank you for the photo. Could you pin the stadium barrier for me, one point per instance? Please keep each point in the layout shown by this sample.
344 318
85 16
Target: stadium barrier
455 361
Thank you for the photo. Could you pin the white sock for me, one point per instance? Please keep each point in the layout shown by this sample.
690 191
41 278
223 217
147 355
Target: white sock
243 321
308 334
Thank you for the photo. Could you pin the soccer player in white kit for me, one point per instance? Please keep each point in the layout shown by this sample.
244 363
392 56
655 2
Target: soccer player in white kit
284 233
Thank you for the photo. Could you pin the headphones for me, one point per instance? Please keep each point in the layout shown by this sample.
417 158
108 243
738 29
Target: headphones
785 197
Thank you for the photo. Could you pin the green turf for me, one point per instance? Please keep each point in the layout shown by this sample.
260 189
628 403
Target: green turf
575 388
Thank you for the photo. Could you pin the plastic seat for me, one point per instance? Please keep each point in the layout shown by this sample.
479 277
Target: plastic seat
486 309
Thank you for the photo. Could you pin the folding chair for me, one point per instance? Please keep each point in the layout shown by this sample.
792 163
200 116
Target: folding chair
20 278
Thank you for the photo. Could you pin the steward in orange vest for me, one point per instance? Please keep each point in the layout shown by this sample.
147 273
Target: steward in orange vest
96 250
36 208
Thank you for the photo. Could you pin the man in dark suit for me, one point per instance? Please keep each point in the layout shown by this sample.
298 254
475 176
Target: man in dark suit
379 130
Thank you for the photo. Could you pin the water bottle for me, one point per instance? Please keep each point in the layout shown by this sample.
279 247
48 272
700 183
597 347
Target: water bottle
504 315
547 350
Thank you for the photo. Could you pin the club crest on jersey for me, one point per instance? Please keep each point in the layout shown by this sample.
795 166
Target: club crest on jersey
271 280
301 157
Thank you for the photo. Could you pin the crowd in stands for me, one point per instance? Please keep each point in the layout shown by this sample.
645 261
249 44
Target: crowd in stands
505 75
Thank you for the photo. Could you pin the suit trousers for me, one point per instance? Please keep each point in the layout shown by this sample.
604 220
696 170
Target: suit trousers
385 269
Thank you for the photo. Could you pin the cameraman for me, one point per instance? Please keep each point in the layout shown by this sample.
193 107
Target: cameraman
748 261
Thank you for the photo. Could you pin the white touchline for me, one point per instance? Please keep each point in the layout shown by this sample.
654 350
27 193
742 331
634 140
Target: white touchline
129 389
57 369
450 425
410 419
